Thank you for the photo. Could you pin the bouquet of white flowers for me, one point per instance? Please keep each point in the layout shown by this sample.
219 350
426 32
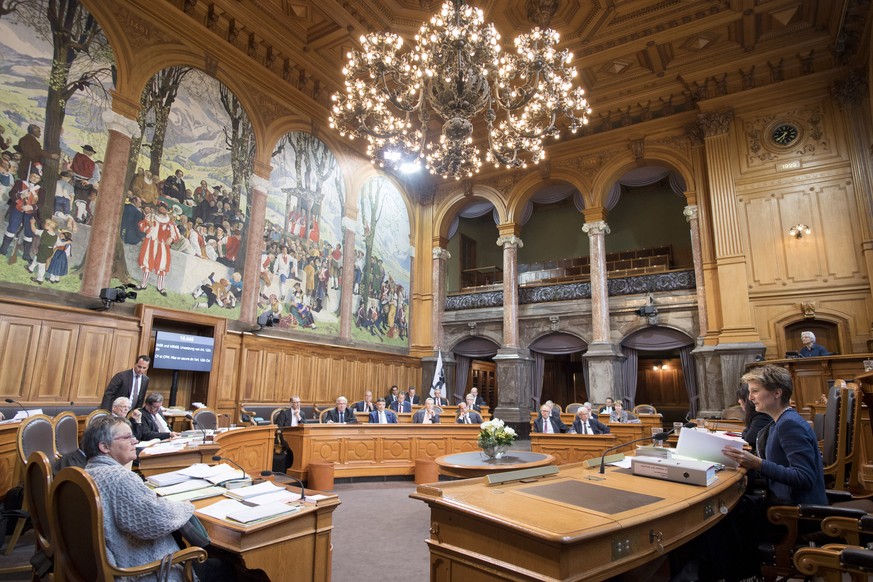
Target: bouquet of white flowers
495 433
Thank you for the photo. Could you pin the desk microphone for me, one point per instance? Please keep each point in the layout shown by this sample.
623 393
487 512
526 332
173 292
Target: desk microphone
661 436
10 401
287 476
231 461
197 425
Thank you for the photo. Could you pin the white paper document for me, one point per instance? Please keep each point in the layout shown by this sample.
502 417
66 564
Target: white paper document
220 509
167 479
215 473
706 446
250 514
283 496
189 485
197 494
255 490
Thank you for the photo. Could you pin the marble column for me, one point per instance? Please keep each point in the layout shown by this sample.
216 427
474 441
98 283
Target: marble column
440 258
604 358
692 216
511 244
110 203
347 281
248 313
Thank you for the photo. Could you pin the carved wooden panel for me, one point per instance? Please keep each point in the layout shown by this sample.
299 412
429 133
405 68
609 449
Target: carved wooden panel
93 352
228 370
19 338
55 359
251 447
568 448
11 469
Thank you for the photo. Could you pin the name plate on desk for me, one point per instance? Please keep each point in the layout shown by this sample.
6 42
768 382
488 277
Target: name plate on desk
678 470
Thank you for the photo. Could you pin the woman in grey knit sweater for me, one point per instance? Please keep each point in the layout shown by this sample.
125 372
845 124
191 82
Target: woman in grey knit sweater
138 524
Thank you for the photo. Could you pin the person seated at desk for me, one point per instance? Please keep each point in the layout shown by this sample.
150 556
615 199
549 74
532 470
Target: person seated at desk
121 408
382 416
365 405
791 466
621 415
153 423
755 420
470 401
584 424
810 348
548 424
412 397
292 416
137 523
479 400
466 415
341 414
391 398
401 404
427 415
607 408
438 399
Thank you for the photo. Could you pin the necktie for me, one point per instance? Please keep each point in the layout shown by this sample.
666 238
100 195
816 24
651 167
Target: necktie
584 428
467 418
382 418
548 426
135 391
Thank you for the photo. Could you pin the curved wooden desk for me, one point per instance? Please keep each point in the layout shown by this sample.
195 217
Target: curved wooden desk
475 464
577 525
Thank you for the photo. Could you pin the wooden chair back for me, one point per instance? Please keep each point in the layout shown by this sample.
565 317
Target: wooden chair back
644 409
274 414
574 407
36 433
205 418
66 432
842 422
94 415
77 531
37 482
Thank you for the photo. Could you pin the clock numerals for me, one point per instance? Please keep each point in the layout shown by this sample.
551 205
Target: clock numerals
785 134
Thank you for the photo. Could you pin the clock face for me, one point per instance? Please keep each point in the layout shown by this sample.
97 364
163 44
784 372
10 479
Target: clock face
785 134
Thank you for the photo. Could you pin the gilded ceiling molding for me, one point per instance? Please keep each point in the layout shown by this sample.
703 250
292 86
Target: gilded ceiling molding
540 12
141 33
716 122
851 91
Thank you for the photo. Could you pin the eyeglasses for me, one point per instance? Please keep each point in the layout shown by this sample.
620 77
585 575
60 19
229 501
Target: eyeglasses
128 437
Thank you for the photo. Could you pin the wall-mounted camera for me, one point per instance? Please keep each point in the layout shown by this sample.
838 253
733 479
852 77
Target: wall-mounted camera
267 319
120 294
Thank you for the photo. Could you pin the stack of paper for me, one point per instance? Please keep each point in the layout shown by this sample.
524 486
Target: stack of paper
188 485
215 473
167 479
237 511
248 493
702 445
197 494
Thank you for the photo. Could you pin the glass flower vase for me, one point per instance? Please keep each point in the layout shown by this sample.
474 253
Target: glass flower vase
495 451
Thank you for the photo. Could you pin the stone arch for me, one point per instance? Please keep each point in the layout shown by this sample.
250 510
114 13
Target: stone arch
549 332
659 156
524 190
459 199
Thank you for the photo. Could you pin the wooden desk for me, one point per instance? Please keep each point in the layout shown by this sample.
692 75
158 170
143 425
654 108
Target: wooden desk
560 528
250 447
573 448
163 462
474 463
647 420
375 449
450 413
290 547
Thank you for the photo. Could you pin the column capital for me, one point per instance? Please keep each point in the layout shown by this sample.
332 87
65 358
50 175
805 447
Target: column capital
123 125
690 212
441 253
258 183
510 241
716 122
597 227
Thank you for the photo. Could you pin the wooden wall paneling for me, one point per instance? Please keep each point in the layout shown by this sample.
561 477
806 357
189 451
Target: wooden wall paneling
271 372
94 351
125 345
250 374
837 211
19 338
227 367
11 469
54 362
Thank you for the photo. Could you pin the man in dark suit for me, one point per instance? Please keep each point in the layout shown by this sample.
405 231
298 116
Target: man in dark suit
401 405
470 401
426 415
341 414
438 399
467 416
548 424
478 399
365 405
292 416
392 395
382 416
154 425
584 424
412 397
131 384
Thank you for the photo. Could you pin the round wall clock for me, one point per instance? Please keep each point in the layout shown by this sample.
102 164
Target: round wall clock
785 134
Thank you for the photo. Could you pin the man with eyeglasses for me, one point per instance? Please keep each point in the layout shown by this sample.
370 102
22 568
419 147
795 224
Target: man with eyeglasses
154 425
121 408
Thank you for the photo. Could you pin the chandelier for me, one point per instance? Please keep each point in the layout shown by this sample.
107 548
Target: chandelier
457 73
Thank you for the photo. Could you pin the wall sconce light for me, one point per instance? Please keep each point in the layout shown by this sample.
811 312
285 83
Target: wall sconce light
798 230
659 366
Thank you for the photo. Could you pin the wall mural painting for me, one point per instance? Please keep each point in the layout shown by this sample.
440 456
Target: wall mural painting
184 221
301 266
52 139
382 265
